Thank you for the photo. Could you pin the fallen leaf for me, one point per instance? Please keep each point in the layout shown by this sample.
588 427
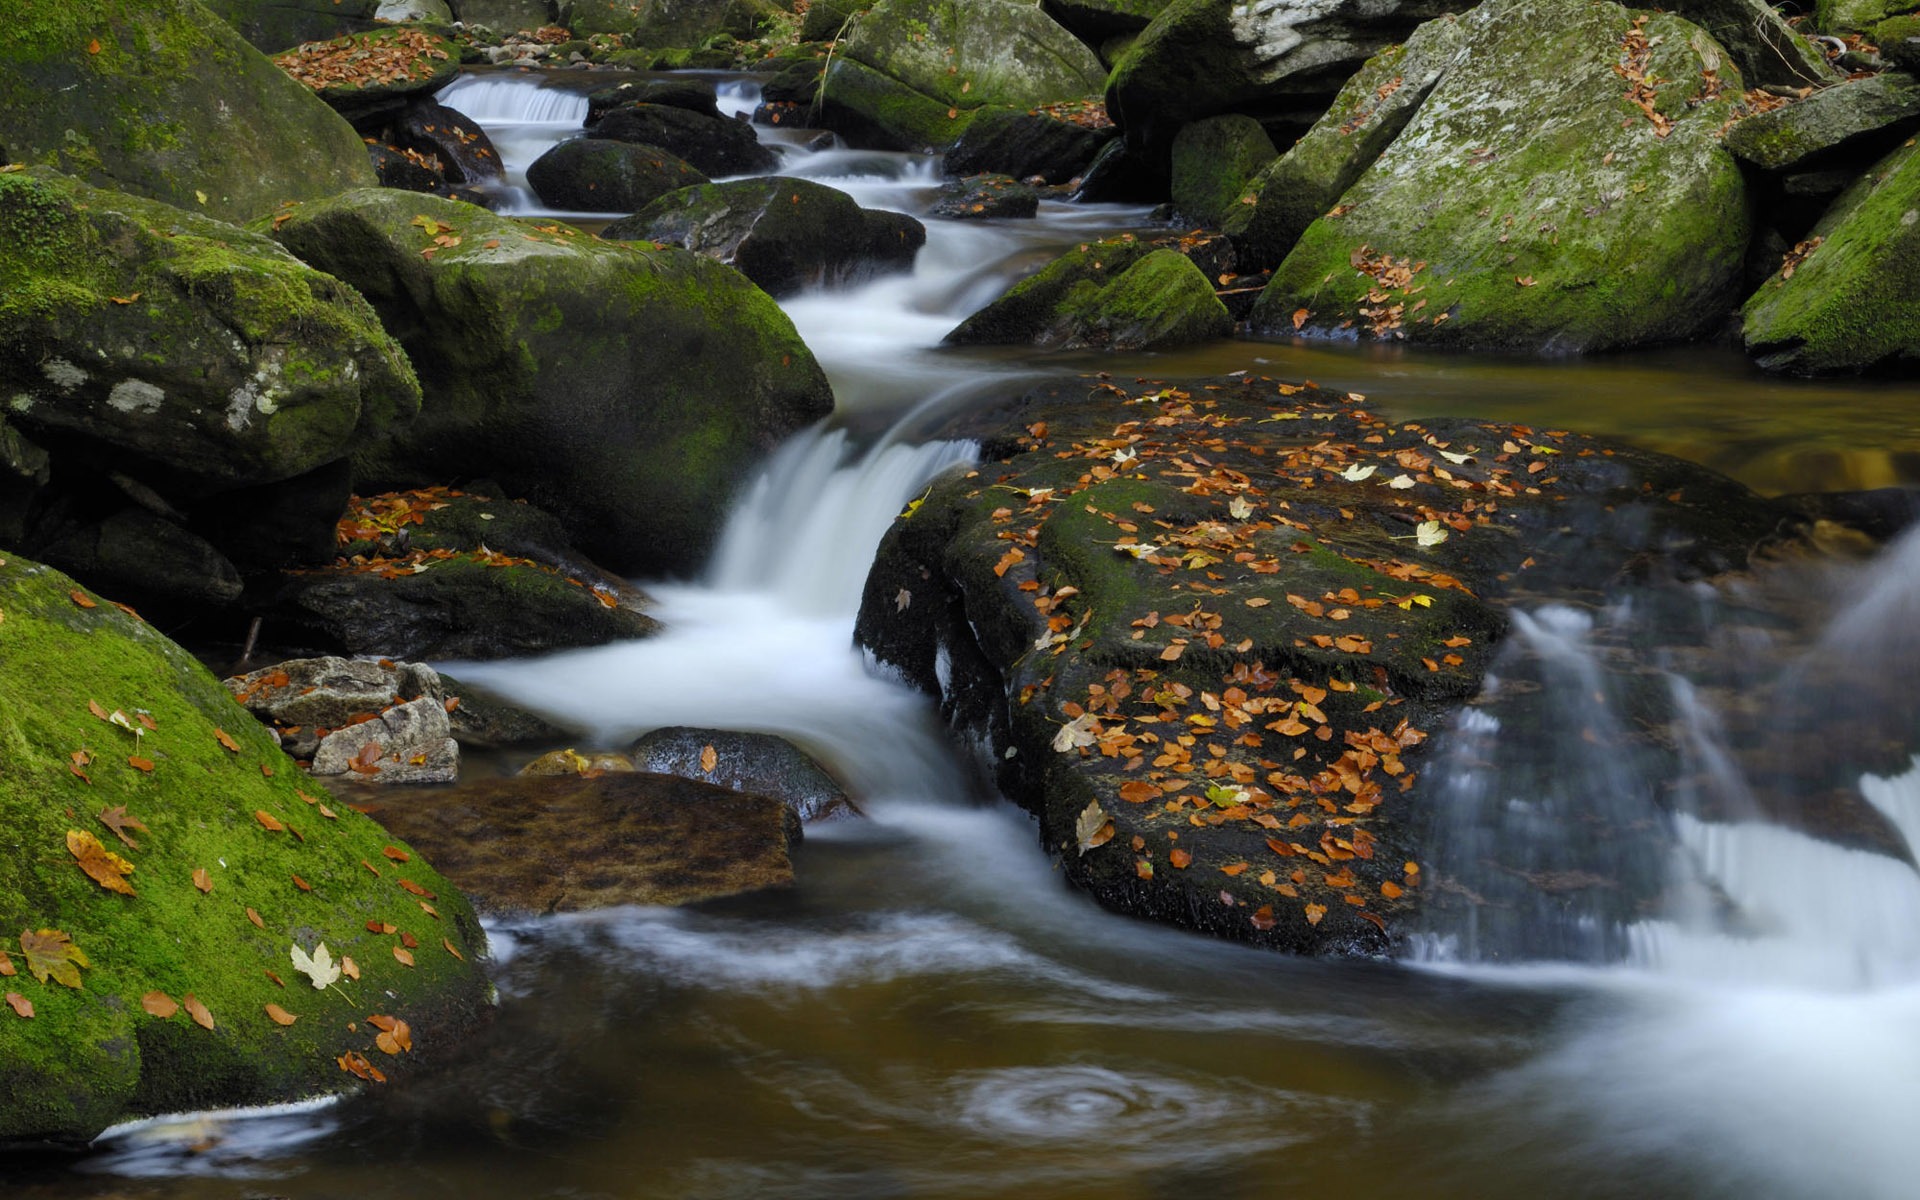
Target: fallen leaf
255 918
268 822
302 884
142 765
709 759
1391 890
451 949
52 954
408 885
21 1005
280 1016
6 964
396 854
202 880
226 739
159 1004
1315 912
82 599
405 957
319 968
348 967
1093 828
197 1011
1180 858
100 864
116 819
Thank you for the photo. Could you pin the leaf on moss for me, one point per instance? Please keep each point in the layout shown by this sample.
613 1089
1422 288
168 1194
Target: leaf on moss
268 821
197 1011
116 819
202 880
159 1004
21 1005
404 955
281 1016
6 964
51 953
226 739
319 967
100 864
451 949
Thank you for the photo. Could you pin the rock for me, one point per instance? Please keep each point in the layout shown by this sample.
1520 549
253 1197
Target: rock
175 106
274 25
871 108
1121 175
1853 16
983 197
327 693
23 473
1899 41
587 17
182 349
595 175
784 234
693 23
397 170
534 375
408 743
1213 161
1095 21
413 10
464 151
571 762
279 525
508 16
545 845
1517 210
908 63
138 553
91 1056
1297 188
1848 301
1011 141
1272 59
1859 117
761 763
1067 637
694 95
362 74
1115 294
714 145
1767 50
481 720
826 20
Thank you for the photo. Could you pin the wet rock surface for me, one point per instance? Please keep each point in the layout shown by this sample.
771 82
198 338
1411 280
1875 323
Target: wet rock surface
762 763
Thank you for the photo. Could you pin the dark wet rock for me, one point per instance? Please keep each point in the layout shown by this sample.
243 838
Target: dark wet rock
1767 50
509 16
1121 293
1520 209
694 23
1213 161
1853 16
463 150
714 145
826 20
1025 145
1119 174
1848 299
396 169
597 175
1858 117
1149 601
694 95
481 720
624 388
274 25
784 234
274 526
91 1056
23 473
761 763
568 845
795 86
139 553
1095 21
1899 41
982 197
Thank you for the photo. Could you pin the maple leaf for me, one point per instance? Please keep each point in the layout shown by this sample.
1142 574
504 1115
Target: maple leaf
320 968
1093 828
1075 733
101 865
51 953
116 819
1356 472
1429 533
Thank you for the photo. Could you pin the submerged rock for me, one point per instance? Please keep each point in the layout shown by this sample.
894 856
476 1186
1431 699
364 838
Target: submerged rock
762 763
231 858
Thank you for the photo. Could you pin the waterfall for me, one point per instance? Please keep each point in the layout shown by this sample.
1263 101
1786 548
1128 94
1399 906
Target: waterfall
510 100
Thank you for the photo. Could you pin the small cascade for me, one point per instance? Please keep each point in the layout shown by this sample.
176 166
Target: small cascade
737 97
514 100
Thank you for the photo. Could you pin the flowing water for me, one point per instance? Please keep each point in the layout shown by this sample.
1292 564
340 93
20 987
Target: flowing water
931 1013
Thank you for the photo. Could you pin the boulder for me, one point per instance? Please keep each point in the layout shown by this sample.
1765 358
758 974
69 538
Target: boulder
24 471
626 389
323 694
544 844
826 20
907 64
363 74
164 100
587 17
694 95
135 552
1025 145
481 720
1532 205
595 175
1213 161
408 743
1212 678
1119 294
508 16
274 25
591 765
1847 298
230 859
1854 16
1899 41
1096 21
762 763
1768 51
784 234
457 142
982 197
180 349
397 11
1298 188
691 24
1275 60
714 145
1858 117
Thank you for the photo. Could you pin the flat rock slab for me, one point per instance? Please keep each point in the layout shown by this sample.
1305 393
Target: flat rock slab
568 845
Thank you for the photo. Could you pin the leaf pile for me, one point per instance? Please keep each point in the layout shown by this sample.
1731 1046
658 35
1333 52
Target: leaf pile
355 62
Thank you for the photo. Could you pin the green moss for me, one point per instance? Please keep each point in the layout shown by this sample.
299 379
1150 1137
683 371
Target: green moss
81 1062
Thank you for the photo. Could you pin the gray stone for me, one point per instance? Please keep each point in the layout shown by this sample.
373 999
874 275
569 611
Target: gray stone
411 743
761 763
1834 121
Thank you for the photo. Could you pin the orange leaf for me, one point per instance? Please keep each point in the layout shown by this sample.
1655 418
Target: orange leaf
202 880
452 949
1391 890
197 1011
21 1005
396 854
1180 858
404 955
226 739
1139 791
302 884
116 819
1233 868
159 1004
408 885
268 822
82 599
709 759
349 968
6 963
93 47
98 863
1315 912
1262 918
143 765
255 918
1300 316
379 927
280 1015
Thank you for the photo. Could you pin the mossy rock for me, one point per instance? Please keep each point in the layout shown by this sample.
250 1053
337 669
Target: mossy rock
1852 300
273 25
92 1055
1530 204
587 17
1298 188
1095 21
984 197
1861 115
627 389
1767 50
163 99
1854 16
1121 293
1213 161
691 24
1899 40
187 349
508 16
1023 144
597 175
362 73
873 108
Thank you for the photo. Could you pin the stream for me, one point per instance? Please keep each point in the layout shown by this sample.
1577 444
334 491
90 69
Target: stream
931 1013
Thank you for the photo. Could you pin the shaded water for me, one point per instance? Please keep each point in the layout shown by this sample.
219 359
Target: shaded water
931 1014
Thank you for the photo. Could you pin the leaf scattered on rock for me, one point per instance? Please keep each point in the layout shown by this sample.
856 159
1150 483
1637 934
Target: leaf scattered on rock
82 599
116 819
52 954
281 1016
21 1005
255 918
197 1011
100 864
226 739
404 955
202 880
268 821
159 1004
319 968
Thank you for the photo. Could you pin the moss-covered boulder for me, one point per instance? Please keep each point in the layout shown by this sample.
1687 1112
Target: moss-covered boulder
1204 628
625 388
910 69
1860 116
274 25
1026 144
1899 40
1096 21
1854 16
508 16
596 175
1119 294
784 234
1298 188
184 349
361 74
1848 298
1213 161
158 966
690 24
1563 188
1200 58
713 144
1767 50
984 197
162 98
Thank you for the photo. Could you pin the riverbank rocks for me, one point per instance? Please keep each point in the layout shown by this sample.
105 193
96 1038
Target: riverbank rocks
910 73
164 100
1845 300
786 235
714 145
508 16
1203 629
1532 203
1119 294
558 844
1861 115
597 175
983 197
365 73
693 23
1768 51
625 389
1025 145
764 764
1213 161
305 699
169 860
274 25
408 743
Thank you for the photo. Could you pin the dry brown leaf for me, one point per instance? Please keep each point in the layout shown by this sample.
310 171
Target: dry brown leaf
159 1004
100 864
202 880
255 918
197 1011
268 822
21 1005
226 739
709 759
116 819
404 955
281 1016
